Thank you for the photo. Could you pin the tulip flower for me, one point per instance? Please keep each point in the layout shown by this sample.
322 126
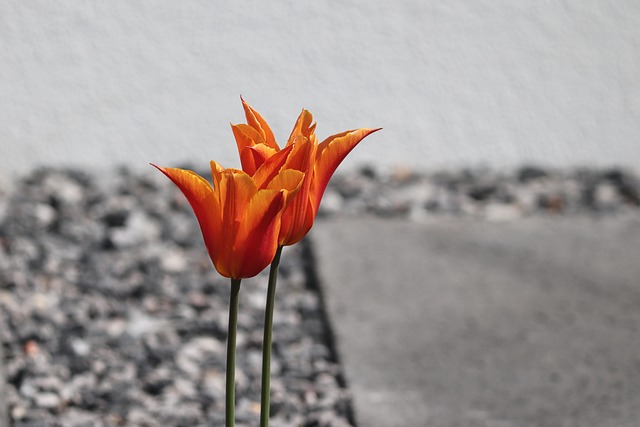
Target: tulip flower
239 215
240 221
256 144
256 147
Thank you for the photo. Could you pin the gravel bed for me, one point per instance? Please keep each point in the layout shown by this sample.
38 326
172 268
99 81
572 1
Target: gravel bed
112 313
482 193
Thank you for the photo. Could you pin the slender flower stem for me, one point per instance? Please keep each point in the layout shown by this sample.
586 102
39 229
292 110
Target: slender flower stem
231 354
266 342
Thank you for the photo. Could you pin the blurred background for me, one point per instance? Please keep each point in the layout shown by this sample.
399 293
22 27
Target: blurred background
495 83
488 235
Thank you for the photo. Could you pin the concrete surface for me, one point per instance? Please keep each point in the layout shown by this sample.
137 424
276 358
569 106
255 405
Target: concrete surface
4 414
461 82
473 324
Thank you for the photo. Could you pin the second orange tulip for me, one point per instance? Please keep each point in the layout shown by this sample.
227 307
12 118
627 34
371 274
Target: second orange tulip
318 161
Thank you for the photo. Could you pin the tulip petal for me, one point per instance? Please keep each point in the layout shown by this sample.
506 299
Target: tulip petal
296 216
246 138
255 120
235 190
303 154
288 179
296 221
257 238
216 173
304 126
330 154
203 201
252 158
271 167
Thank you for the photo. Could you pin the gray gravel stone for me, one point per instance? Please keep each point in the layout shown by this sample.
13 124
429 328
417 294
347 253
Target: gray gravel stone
114 314
482 193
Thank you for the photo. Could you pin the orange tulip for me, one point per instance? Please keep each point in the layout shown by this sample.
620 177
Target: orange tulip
240 214
256 145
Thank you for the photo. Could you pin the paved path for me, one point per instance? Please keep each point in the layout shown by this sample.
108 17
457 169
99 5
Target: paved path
470 324
4 416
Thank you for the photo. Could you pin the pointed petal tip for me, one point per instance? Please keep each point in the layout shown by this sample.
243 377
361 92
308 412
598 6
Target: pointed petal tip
369 131
363 132
244 102
160 168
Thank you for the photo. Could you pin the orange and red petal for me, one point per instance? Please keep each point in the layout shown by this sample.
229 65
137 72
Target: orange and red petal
271 167
252 158
255 120
303 155
296 221
257 238
304 126
246 137
331 152
216 173
289 180
203 201
236 190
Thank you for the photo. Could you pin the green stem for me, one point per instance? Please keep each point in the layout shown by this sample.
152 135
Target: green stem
266 342
231 354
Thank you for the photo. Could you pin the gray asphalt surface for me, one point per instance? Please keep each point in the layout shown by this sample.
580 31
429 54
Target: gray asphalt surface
4 416
457 323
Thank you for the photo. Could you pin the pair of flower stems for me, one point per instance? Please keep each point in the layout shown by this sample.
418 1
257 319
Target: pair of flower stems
266 346
269 178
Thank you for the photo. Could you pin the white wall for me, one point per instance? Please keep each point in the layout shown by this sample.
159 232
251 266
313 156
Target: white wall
458 82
